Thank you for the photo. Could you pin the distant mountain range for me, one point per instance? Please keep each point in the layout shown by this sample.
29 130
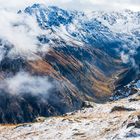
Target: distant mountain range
90 56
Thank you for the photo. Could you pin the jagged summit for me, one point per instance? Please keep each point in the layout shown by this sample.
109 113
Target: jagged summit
50 16
119 29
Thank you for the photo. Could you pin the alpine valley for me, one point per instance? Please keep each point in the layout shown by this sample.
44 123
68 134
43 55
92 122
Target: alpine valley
80 57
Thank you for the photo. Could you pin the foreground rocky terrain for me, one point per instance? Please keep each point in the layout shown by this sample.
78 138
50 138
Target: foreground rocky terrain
116 120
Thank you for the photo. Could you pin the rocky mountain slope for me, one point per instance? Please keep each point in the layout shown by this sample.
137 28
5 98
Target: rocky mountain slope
118 120
79 57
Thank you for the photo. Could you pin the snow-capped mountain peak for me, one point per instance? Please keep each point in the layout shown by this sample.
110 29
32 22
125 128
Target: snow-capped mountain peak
85 56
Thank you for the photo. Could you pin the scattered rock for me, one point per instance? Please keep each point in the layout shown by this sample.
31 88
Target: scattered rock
78 133
121 108
137 98
134 90
137 124
23 125
88 104
130 124
135 120
40 119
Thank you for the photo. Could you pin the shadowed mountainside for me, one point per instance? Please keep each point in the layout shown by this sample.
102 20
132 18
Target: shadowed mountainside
84 64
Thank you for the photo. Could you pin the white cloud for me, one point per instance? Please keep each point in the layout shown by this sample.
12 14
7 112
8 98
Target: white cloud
124 57
18 4
77 4
21 31
23 82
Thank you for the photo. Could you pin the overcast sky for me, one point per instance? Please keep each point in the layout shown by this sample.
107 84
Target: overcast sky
78 4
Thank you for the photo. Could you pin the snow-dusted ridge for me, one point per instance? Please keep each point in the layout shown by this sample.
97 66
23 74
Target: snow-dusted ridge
119 29
116 32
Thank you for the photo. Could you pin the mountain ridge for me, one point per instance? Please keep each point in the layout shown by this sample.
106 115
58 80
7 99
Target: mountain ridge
83 60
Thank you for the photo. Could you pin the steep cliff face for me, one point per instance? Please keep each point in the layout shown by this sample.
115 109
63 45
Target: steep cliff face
83 62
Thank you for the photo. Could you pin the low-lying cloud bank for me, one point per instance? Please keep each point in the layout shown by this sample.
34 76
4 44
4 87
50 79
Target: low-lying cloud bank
23 82
21 31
